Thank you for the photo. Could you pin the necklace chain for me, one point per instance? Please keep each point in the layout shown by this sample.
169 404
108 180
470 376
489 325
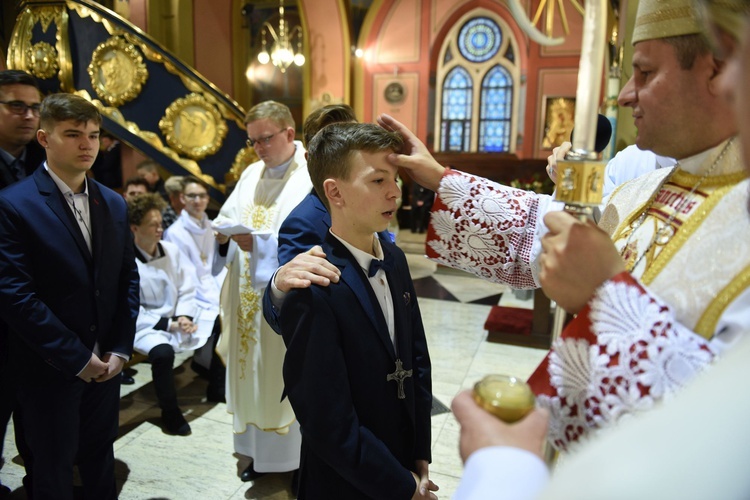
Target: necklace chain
665 233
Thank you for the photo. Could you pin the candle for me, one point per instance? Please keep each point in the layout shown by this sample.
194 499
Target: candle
590 76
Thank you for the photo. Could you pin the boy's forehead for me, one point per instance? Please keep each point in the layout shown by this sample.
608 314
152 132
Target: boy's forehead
194 186
89 126
378 160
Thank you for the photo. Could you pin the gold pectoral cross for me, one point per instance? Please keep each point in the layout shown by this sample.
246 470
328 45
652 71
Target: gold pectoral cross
399 376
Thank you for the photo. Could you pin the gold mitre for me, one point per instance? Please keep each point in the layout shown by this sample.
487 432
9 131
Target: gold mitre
665 18
728 15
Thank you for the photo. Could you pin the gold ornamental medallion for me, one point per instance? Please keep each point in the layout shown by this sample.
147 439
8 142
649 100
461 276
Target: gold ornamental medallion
117 71
42 60
193 126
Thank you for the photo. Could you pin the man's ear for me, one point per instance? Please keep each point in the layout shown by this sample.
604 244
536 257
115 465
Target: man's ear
41 136
333 193
718 67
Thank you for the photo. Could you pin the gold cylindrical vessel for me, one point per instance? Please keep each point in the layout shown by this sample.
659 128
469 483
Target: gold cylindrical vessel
508 398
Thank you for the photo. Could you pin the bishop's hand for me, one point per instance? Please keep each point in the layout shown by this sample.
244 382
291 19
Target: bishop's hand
577 257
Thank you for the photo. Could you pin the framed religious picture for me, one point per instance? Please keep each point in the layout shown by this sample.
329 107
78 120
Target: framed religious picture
558 120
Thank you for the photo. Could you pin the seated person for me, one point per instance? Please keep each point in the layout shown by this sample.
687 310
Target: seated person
193 235
149 170
165 319
133 187
357 369
173 187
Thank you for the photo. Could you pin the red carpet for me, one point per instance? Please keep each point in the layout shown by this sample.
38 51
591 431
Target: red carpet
512 325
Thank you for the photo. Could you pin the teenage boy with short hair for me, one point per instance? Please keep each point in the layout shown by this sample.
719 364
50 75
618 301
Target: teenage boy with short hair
357 369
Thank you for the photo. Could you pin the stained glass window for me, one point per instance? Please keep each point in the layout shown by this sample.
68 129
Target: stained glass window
456 116
477 89
479 39
496 105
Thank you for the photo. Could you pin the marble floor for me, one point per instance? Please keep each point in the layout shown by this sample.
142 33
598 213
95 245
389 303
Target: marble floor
154 465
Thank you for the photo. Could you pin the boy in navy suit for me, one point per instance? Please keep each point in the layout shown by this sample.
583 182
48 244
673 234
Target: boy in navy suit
69 295
357 370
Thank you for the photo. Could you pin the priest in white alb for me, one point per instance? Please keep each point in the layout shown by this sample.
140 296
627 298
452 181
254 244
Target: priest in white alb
265 426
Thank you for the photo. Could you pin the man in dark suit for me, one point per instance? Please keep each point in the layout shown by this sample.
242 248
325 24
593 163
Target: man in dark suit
357 369
69 294
20 154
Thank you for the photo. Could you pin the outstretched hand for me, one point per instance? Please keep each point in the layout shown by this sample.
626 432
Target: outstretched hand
416 159
480 429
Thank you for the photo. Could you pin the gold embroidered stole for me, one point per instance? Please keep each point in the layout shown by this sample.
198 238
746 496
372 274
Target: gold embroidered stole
706 263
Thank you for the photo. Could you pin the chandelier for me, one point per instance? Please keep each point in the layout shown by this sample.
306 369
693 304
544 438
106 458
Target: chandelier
283 52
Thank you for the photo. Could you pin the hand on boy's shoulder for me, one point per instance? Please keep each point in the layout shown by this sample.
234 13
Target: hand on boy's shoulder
305 269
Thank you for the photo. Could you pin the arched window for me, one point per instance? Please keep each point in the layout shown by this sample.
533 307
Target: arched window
496 109
456 123
477 77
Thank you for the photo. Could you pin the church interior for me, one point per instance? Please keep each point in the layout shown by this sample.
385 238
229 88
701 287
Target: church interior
464 75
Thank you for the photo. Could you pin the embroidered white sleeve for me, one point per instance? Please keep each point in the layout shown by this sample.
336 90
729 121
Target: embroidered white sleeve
489 230
641 355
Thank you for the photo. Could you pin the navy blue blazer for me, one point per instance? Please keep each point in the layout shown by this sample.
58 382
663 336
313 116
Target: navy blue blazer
56 297
359 440
305 226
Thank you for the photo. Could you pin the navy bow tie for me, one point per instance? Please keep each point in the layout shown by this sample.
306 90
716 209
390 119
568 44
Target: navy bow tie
386 265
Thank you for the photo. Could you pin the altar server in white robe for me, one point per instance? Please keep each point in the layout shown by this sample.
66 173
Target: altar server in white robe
193 235
168 318
265 426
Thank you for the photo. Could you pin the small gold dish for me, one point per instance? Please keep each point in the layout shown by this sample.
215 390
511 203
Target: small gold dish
508 398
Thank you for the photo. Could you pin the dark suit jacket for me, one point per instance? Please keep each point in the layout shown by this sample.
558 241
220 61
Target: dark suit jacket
34 157
358 439
56 297
305 226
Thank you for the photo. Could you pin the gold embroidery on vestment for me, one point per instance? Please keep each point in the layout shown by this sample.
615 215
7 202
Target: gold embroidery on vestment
706 325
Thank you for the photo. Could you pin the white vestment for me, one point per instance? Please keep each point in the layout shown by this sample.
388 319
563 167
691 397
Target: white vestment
265 426
698 281
167 290
198 244
667 453
629 164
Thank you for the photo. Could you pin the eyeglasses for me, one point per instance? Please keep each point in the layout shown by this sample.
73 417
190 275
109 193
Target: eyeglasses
196 196
20 107
263 140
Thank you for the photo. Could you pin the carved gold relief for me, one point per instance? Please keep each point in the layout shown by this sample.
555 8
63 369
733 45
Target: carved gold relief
117 71
152 138
244 157
193 126
42 60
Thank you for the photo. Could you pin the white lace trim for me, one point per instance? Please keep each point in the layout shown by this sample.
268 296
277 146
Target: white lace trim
488 229
641 355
